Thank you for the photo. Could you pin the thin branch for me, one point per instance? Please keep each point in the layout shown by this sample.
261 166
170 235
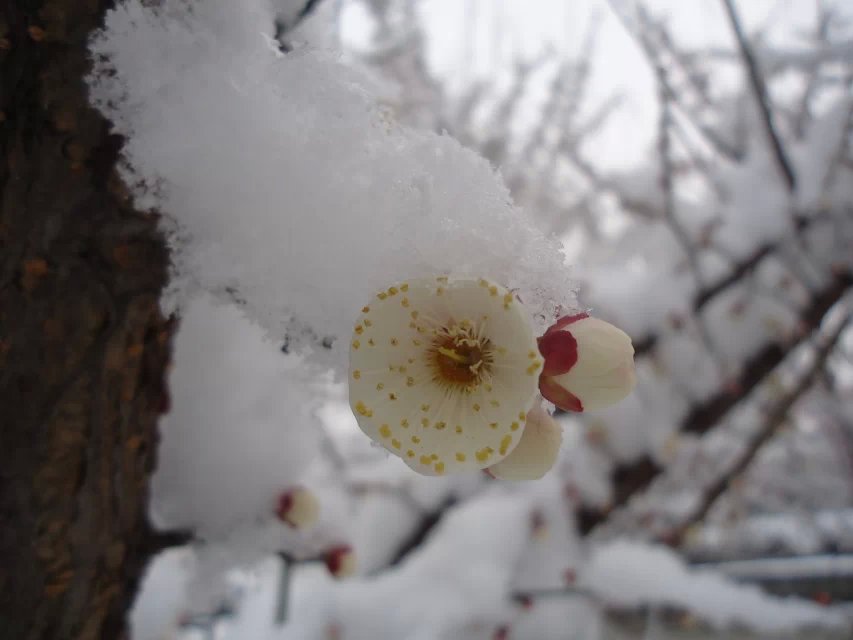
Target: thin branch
157 541
559 592
282 29
739 270
640 29
429 522
283 595
776 416
706 414
761 97
629 479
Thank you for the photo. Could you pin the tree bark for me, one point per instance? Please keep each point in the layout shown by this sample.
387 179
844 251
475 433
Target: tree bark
83 345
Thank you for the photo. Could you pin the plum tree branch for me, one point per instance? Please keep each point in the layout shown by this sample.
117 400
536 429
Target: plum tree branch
776 415
631 478
761 97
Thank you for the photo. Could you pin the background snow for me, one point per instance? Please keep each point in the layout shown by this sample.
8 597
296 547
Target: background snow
627 573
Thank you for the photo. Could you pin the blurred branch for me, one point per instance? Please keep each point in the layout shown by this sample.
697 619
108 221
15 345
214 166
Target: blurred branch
705 415
739 270
157 541
642 28
415 539
631 478
283 594
802 114
282 29
531 594
761 97
776 416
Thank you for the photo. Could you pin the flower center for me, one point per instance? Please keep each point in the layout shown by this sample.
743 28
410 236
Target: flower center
461 358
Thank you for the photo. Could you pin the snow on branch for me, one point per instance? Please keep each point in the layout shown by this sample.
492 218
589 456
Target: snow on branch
630 478
287 183
777 413
761 97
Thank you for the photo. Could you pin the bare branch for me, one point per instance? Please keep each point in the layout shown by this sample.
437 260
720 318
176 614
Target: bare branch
776 416
761 97
428 523
738 272
629 479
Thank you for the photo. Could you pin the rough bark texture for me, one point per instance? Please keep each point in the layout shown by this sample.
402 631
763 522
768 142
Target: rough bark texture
83 345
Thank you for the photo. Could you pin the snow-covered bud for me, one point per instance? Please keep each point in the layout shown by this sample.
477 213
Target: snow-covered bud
298 508
536 451
443 372
340 561
589 363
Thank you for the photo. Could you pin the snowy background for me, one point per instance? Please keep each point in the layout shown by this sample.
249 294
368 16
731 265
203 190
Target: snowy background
633 158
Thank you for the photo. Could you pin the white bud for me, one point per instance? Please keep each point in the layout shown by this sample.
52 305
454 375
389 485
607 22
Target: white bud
536 452
603 373
298 508
341 561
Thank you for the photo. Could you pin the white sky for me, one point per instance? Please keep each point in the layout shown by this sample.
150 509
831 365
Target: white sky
479 38
507 29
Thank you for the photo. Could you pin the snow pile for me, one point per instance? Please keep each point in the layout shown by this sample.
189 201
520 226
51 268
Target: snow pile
292 191
454 586
241 426
630 574
162 594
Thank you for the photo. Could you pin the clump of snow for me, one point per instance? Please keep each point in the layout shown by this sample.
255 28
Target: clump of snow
240 429
290 188
162 595
630 574
427 596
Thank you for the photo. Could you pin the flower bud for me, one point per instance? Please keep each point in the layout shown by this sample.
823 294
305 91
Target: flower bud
298 508
536 451
589 363
340 561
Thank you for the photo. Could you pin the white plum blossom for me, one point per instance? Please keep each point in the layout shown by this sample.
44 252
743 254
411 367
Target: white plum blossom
298 508
589 363
443 372
340 561
537 451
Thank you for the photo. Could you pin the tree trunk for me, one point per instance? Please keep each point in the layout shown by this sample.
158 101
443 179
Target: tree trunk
83 345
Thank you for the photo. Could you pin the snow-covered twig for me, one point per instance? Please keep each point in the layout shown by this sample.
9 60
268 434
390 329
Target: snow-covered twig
631 478
761 97
775 418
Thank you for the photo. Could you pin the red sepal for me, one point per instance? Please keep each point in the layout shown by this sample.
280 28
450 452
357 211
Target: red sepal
560 351
285 504
333 558
561 397
565 321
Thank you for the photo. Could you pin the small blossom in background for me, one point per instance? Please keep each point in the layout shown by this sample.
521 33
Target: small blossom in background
589 363
443 372
298 508
340 561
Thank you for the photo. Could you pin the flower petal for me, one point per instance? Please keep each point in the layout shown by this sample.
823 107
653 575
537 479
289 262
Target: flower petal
537 451
405 401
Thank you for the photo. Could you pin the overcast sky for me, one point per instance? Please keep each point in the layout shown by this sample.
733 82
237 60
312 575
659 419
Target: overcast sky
506 30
